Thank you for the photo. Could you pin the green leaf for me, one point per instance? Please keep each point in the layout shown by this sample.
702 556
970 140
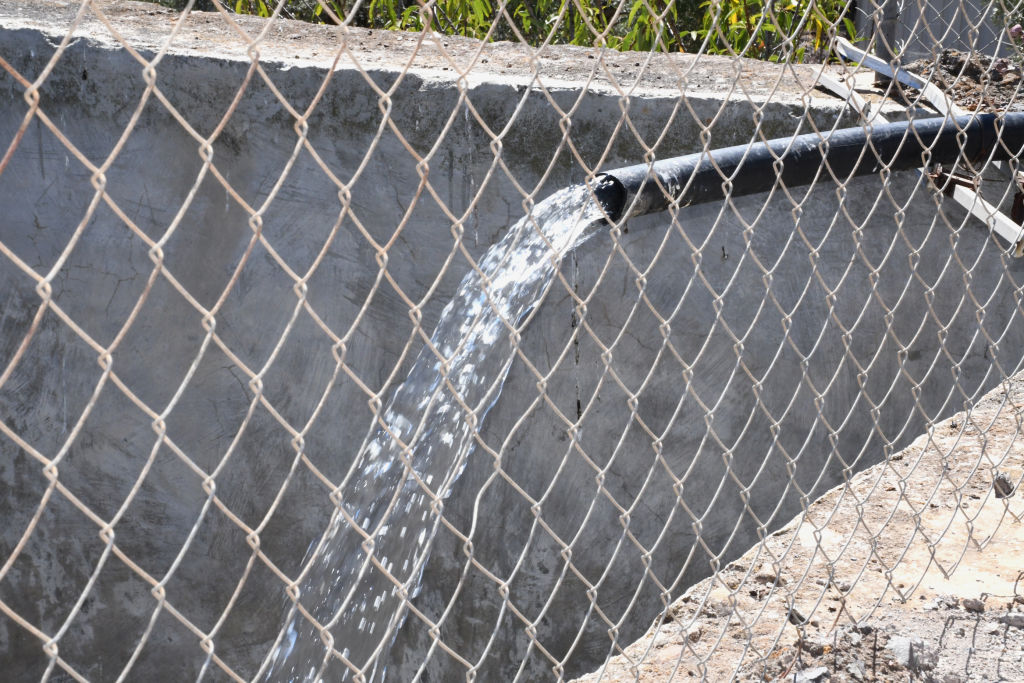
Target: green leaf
851 28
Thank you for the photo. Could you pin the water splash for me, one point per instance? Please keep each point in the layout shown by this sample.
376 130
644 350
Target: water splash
416 451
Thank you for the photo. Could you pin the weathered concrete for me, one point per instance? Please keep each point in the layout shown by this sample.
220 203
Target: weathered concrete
890 292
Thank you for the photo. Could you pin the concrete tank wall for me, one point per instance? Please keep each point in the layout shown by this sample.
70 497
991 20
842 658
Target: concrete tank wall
821 350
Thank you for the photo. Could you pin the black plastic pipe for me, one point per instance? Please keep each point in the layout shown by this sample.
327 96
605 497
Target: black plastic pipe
800 160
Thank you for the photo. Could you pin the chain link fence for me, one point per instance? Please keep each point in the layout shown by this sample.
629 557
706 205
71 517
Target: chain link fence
335 352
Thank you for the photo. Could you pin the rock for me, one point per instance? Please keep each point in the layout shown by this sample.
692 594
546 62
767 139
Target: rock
910 653
856 669
973 605
1014 619
818 673
719 603
943 602
716 608
1002 484
901 649
813 647
766 574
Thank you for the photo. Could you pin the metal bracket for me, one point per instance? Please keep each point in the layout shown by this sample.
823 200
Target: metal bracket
964 189
947 181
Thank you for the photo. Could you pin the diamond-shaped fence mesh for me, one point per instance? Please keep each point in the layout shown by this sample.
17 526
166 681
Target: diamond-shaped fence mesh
333 346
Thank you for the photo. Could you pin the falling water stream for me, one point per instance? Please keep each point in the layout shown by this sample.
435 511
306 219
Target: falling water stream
416 450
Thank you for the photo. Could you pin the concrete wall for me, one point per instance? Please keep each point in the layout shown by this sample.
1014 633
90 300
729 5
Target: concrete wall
892 255
922 30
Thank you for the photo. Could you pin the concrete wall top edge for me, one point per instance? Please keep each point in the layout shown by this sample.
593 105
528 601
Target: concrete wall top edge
436 58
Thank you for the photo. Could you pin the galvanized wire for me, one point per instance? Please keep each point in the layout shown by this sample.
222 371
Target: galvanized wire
720 361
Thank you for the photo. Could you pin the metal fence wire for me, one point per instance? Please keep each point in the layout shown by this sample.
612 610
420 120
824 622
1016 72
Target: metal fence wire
336 345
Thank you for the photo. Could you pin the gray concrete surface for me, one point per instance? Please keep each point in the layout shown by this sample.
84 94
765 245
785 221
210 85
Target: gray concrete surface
893 255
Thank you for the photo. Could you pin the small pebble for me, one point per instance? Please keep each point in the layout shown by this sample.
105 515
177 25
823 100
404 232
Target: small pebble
767 574
973 605
1003 486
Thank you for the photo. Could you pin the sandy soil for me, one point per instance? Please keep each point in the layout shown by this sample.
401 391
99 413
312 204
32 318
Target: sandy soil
908 572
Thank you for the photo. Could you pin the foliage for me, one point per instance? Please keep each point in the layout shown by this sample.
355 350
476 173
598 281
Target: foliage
1010 19
784 29
774 30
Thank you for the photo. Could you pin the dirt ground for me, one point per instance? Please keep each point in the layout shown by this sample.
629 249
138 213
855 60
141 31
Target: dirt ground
913 571
974 81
